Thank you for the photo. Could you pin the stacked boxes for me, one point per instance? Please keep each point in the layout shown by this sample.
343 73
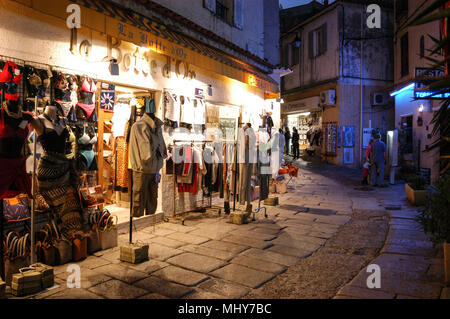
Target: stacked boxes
27 282
239 218
48 277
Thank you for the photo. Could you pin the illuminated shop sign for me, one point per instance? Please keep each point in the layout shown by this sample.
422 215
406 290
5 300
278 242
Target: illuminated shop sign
431 95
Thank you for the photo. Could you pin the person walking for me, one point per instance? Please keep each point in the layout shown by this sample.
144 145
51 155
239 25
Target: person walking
295 140
287 137
378 160
366 164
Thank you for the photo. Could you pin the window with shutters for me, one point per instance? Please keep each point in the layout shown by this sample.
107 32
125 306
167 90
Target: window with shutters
238 14
404 51
210 5
318 41
222 10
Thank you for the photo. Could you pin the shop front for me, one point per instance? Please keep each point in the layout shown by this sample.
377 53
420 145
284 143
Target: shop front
305 116
107 97
413 118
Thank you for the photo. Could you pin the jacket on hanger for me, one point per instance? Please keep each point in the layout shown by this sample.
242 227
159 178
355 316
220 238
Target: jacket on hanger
147 146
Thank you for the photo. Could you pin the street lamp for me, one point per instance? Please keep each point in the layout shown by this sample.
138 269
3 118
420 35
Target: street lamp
297 41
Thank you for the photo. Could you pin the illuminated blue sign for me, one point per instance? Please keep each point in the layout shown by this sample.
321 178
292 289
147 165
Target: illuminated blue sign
431 95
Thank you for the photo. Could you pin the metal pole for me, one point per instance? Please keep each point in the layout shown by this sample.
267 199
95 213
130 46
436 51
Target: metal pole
174 179
33 191
131 205
2 263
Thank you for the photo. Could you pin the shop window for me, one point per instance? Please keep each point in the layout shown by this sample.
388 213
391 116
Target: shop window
404 51
318 41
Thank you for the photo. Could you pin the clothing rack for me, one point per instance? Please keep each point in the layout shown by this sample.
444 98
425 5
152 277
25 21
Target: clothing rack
203 142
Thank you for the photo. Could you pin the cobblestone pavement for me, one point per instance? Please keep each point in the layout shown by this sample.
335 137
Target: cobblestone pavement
316 244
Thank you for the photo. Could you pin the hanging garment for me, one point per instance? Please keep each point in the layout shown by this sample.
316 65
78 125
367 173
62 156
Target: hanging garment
12 77
86 139
171 107
57 182
122 114
147 146
184 172
199 112
13 177
121 165
192 187
86 112
247 159
13 132
187 110
145 194
51 140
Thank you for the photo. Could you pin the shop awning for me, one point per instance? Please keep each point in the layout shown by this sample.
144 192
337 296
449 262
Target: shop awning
136 28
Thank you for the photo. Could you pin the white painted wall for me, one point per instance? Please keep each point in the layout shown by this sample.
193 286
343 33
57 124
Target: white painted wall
252 35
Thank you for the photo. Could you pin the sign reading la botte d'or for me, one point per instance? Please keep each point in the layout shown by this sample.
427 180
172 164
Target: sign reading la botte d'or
138 60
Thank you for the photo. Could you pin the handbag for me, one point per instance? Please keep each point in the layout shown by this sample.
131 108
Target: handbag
93 240
46 249
63 247
79 248
91 196
16 254
16 208
108 232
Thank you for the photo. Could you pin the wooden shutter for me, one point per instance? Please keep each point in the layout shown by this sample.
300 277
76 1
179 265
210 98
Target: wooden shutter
311 44
324 38
210 5
238 14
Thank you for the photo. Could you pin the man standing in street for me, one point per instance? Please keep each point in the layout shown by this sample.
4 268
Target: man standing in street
295 140
378 160
287 137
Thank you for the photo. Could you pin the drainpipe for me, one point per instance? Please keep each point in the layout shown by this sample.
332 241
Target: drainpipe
361 88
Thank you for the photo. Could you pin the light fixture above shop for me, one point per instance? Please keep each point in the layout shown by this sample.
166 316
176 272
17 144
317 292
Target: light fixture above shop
114 67
297 41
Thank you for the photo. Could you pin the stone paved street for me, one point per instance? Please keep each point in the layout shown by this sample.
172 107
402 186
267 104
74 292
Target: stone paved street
316 244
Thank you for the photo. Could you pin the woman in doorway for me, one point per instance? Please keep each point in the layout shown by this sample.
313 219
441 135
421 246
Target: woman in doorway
366 164
295 141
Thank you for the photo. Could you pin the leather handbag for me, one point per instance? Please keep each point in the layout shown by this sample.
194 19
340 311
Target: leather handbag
16 208
17 255
93 241
91 196
79 248
63 247
46 248
108 232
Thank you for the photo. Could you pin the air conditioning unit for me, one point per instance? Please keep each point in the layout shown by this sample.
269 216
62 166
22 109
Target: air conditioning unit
380 99
328 98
